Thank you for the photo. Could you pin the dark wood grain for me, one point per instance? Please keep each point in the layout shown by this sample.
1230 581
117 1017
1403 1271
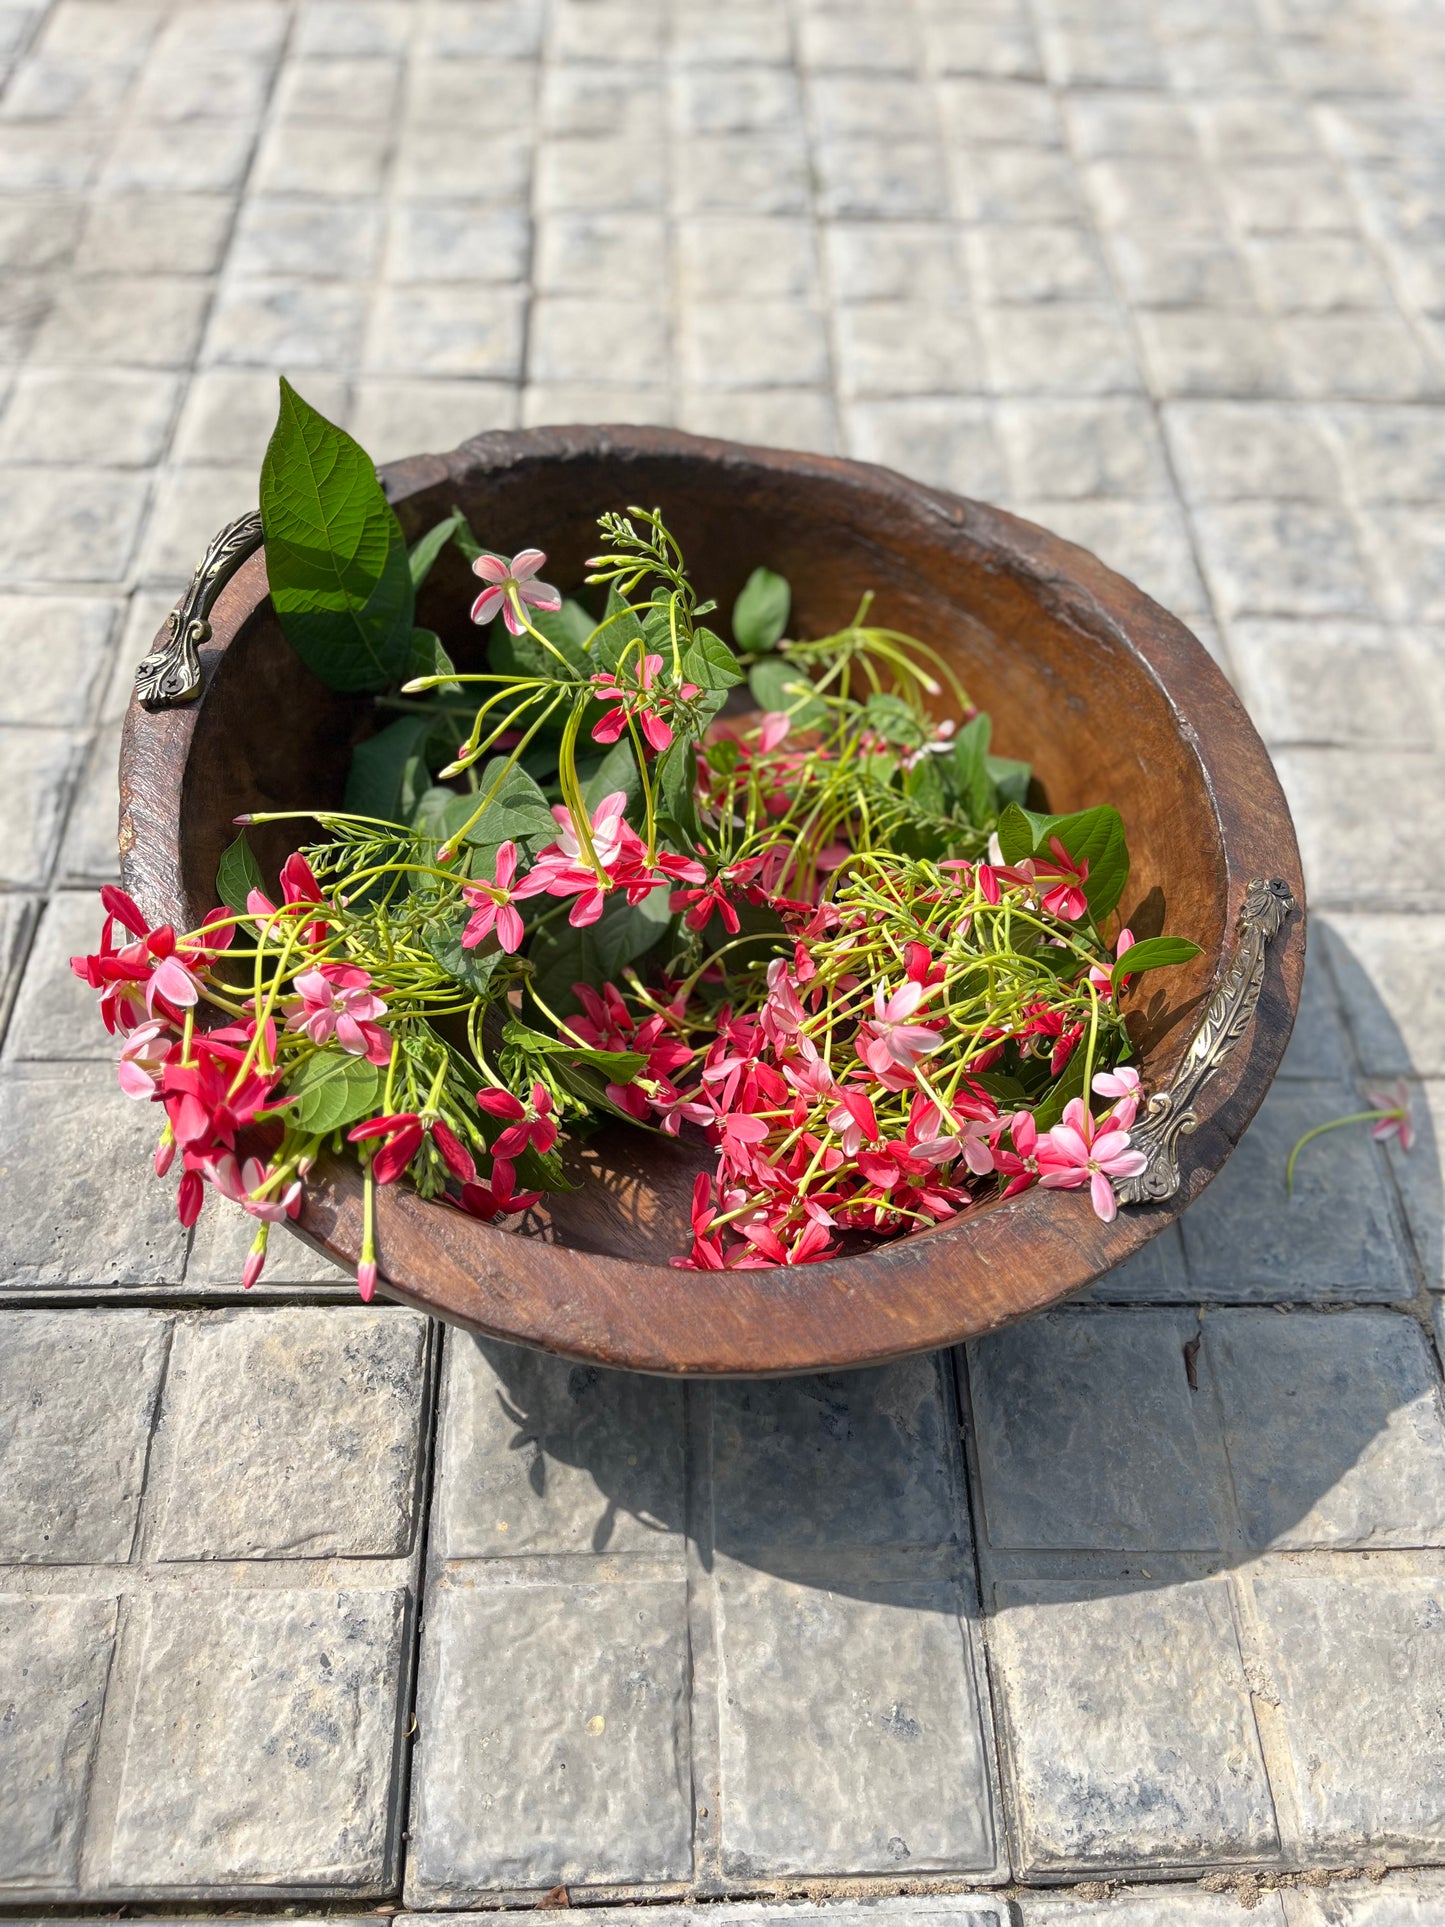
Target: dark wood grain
1108 696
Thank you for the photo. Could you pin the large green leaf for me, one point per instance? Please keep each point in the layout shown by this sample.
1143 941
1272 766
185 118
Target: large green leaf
1154 953
519 813
617 629
426 656
710 663
335 555
567 629
1010 778
970 768
238 874
388 775
617 770
333 1088
760 613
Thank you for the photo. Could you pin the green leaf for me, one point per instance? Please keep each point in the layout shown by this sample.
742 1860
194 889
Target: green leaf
620 1065
472 968
424 552
760 613
676 770
893 720
616 771
335 554
237 874
388 775
333 1088
1069 1085
427 657
1010 778
710 663
1154 953
462 535
970 768
779 685
1095 836
564 956
519 813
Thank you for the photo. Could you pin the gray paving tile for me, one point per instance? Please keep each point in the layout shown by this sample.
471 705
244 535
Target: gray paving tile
1355 1662
78 1396
283 322
261 1741
882 1767
772 417
540 1456
850 1459
1357 856
1154 1906
1333 1428
1405 1899
570 1764
38 767
903 1910
258 1468
1391 974
57 1655
70 635
1334 1240
1328 681
1156 1275
81 1207
1085 1434
221 1242
1132 1780
1421 1179
948 444
68 525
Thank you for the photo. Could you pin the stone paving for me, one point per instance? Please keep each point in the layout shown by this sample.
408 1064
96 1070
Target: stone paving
1150 1590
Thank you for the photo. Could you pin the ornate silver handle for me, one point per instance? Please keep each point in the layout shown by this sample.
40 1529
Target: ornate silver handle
1170 1115
171 673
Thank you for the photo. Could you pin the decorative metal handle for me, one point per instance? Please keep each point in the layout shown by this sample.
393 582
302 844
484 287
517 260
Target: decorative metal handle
171 673
1170 1115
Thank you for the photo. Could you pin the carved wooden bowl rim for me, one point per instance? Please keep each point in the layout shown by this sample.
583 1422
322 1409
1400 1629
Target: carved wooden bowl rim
918 1293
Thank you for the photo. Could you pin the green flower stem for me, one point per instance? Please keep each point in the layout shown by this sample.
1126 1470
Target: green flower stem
1355 1117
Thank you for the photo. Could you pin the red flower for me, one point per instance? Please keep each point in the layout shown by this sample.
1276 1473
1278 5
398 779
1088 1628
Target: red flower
1065 898
401 1134
528 1126
499 1199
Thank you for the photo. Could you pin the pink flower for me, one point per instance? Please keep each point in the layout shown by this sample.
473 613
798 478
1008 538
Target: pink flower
640 701
366 1280
854 1121
892 1040
1122 1084
143 1057
528 1126
1103 980
492 902
1399 1123
1065 898
509 585
563 870
240 1183
1078 1152
500 1198
773 730
337 1000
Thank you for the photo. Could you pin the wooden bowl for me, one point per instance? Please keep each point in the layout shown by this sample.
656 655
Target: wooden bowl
1108 696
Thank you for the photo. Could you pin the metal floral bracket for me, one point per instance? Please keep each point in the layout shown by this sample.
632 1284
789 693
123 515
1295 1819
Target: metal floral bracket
1170 1115
171 673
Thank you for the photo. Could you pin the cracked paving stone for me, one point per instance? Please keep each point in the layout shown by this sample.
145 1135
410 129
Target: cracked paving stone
1131 1738
54 1659
1358 1662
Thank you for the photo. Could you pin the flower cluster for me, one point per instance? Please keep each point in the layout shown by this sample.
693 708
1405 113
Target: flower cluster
824 942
